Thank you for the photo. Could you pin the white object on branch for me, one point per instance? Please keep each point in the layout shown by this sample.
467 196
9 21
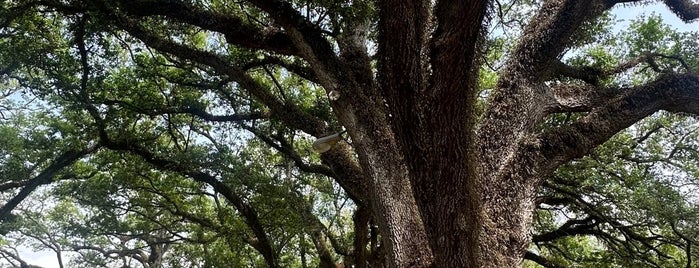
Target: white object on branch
324 144
334 95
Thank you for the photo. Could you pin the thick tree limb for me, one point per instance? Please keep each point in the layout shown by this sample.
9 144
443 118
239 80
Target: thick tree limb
518 104
672 92
307 37
348 173
517 97
341 156
588 74
570 97
45 177
549 33
339 159
402 33
288 113
235 29
579 98
454 50
687 10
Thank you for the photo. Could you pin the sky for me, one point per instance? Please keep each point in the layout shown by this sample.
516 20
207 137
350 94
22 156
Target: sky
624 15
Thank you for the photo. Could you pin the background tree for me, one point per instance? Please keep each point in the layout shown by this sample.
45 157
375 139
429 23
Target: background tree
178 133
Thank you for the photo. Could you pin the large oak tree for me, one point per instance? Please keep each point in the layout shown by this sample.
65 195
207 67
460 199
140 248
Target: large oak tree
447 170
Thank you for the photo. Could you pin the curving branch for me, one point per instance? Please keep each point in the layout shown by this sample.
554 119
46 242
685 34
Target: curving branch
520 86
579 98
688 243
593 75
190 110
571 227
315 229
549 33
341 174
687 10
670 92
635 239
286 112
235 29
294 67
340 159
45 177
287 149
246 210
136 254
14 257
541 260
575 97
306 36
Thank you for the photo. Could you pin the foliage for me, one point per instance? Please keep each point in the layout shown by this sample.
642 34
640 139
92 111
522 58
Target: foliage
182 166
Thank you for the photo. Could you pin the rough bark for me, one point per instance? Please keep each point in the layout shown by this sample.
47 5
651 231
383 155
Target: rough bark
446 189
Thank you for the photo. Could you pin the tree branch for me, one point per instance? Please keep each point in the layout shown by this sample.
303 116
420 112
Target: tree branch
288 113
402 33
685 9
245 209
671 92
593 75
541 260
514 108
136 254
286 149
588 74
236 30
340 158
619 234
45 177
314 228
307 37
22 264
191 110
549 33
570 228
293 67
579 98
454 53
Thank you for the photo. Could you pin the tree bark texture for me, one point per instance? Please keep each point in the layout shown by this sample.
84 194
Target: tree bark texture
447 188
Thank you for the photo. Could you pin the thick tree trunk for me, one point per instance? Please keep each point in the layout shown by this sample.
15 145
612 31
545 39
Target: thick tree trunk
402 228
446 189
394 206
506 217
